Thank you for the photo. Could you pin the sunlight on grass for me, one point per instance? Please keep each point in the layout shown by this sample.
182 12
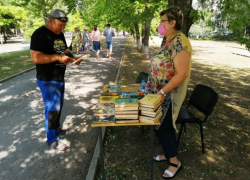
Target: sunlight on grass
5 68
211 159
15 62
240 109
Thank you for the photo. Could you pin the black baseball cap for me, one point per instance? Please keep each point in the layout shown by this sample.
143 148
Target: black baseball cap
57 14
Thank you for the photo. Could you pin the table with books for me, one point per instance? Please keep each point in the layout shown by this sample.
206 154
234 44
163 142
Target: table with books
126 106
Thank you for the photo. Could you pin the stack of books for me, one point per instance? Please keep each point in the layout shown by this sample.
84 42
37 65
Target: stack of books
127 94
103 119
111 88
104 113
150 109
110 93
130 87
106 109
108 99
126 110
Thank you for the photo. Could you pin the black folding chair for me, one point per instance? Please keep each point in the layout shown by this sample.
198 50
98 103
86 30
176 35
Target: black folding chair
203 98
142 76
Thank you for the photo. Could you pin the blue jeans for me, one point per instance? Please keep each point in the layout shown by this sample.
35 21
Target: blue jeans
96 45
53 97
109 45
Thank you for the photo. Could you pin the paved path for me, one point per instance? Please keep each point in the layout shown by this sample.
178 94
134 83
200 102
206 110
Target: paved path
24 155
19 45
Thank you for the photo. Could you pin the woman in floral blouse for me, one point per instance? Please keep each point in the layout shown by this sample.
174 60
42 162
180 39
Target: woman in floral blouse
169 75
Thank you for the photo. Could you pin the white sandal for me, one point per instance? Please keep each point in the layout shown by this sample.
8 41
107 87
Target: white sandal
178 166
157 159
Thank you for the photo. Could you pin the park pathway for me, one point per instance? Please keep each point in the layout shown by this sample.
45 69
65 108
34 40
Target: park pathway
24 154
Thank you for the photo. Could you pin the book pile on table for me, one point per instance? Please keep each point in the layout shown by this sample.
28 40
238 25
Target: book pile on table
151 110
105 110
108 99
104 113
128 94
112 88
126 110
117 88
103 119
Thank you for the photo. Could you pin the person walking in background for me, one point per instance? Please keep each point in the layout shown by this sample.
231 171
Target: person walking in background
76 40
50 53
96 37
109 33
169 76
86 37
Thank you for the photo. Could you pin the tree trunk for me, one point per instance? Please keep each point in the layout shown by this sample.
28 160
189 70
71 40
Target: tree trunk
1 36
4 35
142 38
137 32
186 7
133 33
146 39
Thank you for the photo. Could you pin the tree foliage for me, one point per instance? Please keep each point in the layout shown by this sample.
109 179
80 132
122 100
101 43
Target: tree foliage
236 13
128 15
12 17
204 25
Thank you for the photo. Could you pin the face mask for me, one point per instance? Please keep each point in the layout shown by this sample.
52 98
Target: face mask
162 30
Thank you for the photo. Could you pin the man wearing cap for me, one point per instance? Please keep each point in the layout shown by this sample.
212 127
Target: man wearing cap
109 33
50 53
86 37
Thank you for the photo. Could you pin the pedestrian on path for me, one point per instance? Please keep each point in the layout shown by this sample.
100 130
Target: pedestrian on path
76 40
169 76
96 38
86 37
109 34
50 53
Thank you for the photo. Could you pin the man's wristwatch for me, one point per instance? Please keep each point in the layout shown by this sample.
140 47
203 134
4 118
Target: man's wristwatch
162 92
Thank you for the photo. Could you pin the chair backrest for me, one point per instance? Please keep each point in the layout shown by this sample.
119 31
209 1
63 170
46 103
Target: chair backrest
142 76
203 98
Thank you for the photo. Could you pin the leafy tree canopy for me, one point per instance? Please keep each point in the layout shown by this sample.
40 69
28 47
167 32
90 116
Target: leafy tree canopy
13 14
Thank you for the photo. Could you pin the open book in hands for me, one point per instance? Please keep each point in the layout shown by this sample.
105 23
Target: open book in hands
80 58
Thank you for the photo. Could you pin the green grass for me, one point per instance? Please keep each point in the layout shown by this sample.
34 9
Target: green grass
15 62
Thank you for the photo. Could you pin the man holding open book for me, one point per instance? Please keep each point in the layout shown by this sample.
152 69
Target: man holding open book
50 53
169 76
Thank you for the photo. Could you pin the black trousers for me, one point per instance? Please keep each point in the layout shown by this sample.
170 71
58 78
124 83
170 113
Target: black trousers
166 135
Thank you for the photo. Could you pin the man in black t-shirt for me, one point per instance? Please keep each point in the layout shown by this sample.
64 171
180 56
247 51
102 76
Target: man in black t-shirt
50 53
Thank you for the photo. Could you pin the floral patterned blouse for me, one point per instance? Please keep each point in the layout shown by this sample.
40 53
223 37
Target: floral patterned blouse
162 70
76 36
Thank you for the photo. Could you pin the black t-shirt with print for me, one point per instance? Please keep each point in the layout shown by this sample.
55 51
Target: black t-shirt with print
46 41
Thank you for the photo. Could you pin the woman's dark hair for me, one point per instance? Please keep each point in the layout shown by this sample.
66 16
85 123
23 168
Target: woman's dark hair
174 13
